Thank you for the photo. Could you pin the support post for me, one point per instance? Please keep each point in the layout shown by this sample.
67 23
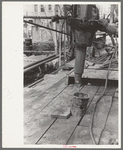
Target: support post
60 49
60 42
112 14
55 33
65 36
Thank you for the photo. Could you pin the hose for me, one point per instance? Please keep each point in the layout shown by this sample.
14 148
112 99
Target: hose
92 119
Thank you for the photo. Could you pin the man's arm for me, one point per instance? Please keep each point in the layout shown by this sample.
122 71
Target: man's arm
103 25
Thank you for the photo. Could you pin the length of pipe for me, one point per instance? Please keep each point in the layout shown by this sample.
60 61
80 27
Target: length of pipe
44 27
43 17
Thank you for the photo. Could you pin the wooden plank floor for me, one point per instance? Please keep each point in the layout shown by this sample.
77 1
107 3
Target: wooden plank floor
94 72
53 94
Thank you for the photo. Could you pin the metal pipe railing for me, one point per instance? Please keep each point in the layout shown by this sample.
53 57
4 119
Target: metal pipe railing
41 63
52 56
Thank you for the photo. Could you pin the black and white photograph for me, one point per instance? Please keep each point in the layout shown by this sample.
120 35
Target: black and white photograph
70 67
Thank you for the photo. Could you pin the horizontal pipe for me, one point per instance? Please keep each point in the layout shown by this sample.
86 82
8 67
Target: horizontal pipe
39 51
41 63
43 17
44 27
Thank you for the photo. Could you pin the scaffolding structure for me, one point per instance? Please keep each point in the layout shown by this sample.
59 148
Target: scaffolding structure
59 38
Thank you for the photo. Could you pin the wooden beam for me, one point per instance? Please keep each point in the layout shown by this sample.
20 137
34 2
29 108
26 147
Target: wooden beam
98 74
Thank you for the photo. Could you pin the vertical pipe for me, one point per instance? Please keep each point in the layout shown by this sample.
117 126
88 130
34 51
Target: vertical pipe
60 48
56 41
60 41
55 33
112 14
65 36
65 43
80 59
79 63
80 50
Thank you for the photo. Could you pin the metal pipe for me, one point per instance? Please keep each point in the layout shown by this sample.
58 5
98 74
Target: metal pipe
44 27
39 51
41 63
80 54
43 17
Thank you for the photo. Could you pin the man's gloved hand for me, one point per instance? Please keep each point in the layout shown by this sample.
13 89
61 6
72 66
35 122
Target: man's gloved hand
109 28
112 29
55 19
103 23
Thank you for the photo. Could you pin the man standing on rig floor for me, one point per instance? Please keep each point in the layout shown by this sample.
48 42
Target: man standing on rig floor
85 23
